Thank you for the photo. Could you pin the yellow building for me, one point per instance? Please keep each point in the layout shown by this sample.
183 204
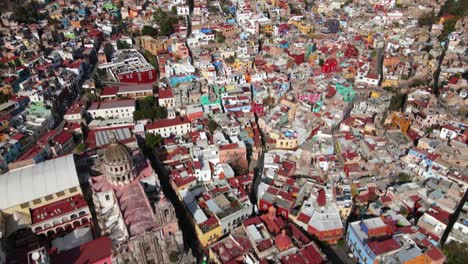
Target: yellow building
241 64
399 120
303 26
152 45
292 104
286 143
35 186
266 28
283 142
207 235
390 83
344 211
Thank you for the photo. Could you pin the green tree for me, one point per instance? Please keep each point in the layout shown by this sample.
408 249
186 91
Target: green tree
122 45
149 31
404 177
4 97
220 38
27 12
321 62
173 257
449 27
108 51
427 19
165 22
81 147
153 140
456 252
230 59
149 109
212 125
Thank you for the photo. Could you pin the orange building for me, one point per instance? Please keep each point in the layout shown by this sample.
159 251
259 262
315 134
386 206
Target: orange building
234 154
399 120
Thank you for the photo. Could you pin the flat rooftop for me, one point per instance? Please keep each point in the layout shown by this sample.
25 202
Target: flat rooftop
29 183
58 208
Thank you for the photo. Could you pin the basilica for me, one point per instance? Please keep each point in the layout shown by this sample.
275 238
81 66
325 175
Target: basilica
131 208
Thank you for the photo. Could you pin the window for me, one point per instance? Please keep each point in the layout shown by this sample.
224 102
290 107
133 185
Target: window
49 197
37 201
24 205
73 190
60 194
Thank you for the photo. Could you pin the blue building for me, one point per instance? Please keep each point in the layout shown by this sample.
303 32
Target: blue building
10 150
368 239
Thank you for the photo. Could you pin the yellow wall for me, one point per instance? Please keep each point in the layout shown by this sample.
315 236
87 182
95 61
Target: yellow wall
392 83
286 143
24 208
345 211
266 28
153 46
208 237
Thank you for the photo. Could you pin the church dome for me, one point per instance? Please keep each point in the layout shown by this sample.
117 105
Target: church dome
117 163
116 154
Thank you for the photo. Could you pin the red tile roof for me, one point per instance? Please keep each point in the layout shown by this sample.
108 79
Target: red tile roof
165 93
74 109
63 137
167 123
435 254
321 200
58 208
110 90
439 214
91 252
381 247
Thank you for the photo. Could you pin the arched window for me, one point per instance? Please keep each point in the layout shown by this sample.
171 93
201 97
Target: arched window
38 228
73 216
82 213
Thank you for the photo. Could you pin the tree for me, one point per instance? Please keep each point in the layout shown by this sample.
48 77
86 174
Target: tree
149 109
427 19
27 12
4 97
321 62
404 177
153 140
456 252
149 31
449 27
268 101
212 126
81 147
108 51
220 38
122 45
164 21
230 59
90 97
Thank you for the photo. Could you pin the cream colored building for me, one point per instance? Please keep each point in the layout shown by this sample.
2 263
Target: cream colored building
35 186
